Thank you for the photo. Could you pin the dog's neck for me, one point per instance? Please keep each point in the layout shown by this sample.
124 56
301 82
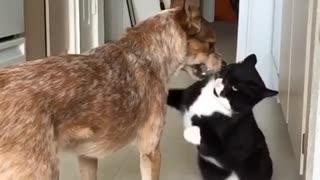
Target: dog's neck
159 40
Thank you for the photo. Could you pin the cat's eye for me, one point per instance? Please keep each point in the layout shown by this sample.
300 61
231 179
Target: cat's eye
234 88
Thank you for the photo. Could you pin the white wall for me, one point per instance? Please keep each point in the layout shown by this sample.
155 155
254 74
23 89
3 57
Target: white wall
255 35
277 24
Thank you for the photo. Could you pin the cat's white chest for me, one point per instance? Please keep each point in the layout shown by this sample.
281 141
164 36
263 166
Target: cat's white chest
233 176
206 104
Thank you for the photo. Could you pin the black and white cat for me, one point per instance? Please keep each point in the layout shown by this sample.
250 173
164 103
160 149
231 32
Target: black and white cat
218 119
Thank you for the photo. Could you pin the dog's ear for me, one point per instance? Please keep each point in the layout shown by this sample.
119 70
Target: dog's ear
193 14
190 16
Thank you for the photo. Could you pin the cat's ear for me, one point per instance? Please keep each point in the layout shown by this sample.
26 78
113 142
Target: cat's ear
270 93
175 98
250 60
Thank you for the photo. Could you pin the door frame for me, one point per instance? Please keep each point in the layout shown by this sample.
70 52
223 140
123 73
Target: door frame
312 144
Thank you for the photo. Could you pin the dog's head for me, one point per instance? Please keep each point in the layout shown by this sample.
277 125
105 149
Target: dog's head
202 56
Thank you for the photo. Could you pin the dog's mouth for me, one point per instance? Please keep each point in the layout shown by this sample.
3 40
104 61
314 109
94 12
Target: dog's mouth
202 71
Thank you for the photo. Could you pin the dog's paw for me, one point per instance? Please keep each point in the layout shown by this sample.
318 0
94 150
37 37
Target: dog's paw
192 135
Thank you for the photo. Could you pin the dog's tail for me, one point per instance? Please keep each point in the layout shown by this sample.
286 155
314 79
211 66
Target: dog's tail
175 98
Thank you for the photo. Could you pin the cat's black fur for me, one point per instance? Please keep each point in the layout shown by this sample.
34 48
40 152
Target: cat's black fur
236 142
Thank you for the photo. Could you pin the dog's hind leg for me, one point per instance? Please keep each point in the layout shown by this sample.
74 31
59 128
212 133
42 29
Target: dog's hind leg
32 156
88 168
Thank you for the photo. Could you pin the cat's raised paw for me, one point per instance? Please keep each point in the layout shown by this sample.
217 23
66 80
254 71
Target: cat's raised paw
192 135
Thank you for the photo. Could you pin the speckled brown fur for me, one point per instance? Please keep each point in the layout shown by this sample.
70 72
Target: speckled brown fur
97 103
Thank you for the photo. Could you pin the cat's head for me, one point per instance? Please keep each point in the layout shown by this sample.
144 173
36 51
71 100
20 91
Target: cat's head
241 85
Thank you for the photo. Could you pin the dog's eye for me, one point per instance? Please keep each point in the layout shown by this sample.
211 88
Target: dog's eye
234 88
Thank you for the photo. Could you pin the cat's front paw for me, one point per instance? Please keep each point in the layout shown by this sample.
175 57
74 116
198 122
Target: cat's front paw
192 135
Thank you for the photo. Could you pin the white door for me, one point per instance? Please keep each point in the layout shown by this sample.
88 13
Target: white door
255 35
294 69
285 56
277 32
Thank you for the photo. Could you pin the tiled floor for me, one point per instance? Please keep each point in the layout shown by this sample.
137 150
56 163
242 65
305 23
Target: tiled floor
179 158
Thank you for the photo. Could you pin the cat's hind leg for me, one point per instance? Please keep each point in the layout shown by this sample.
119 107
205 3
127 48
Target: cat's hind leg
210 171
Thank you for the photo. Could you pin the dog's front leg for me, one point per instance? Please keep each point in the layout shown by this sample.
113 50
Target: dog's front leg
148 143
88 168
150 162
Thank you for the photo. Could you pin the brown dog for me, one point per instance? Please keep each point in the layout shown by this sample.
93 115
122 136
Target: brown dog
98 103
